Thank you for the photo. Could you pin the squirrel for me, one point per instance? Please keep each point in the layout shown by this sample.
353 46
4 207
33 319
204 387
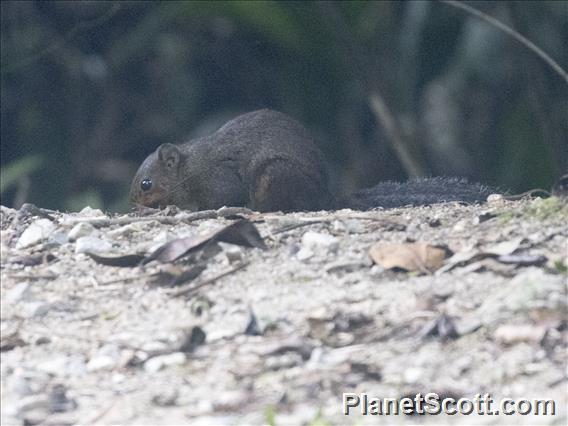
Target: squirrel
267 161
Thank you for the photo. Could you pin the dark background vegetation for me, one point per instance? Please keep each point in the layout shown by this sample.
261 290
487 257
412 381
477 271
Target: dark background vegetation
90 88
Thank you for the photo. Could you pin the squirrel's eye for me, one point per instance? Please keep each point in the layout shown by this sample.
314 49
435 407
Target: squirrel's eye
146 184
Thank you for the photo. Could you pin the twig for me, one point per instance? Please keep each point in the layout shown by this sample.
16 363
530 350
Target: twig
166 220
363 72
384 116
126 220
529 193
508 30
190 287
32 276
287 228
126 279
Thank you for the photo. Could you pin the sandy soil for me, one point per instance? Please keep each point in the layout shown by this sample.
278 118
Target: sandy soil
277 336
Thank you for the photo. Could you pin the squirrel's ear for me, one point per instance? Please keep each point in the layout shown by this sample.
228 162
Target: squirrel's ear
169 155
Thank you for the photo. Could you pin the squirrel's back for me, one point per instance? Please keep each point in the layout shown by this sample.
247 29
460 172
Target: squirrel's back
264 160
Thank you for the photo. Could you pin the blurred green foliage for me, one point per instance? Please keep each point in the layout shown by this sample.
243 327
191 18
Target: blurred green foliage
11 173
91 88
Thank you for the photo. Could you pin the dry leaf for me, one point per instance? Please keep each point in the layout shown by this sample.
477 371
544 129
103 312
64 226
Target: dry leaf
177 248
242 232
126 260
409 256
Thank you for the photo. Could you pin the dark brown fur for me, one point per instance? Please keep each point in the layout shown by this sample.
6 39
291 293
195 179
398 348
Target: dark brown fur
263 160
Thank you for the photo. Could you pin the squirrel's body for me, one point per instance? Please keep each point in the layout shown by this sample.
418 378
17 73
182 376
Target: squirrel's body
267 161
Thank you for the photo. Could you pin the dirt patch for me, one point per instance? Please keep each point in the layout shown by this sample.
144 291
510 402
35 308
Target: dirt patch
278 335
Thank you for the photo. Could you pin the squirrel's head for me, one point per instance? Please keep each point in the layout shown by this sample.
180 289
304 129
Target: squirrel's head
156 180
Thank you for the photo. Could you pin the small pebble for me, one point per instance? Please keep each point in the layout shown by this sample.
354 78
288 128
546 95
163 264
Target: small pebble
460 226
234 253
156 363
36 232
314 240
166 397
61 365
304 254
125 230
92 244
58 238
106 358
413 375
33 403
90 212
35 309
18 293
102 362
80 230
495 198
512 334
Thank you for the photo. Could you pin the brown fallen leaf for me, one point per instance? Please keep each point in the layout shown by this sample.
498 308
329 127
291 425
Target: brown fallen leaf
125 260
242 232
178 248
409 256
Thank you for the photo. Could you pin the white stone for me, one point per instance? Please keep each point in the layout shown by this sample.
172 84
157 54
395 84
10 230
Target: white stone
495 198
62 365
92 244
304 254
106 358
158 362
35 309
81 230
314 240
38 231
91 212
234 253
31 403
413 375
125 230
18 293
102 362
461 226
58 237
118 378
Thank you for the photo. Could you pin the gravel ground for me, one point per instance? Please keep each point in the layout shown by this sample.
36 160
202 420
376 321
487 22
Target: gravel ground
231 334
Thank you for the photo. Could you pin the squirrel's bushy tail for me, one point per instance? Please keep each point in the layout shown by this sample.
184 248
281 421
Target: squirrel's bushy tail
419 191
